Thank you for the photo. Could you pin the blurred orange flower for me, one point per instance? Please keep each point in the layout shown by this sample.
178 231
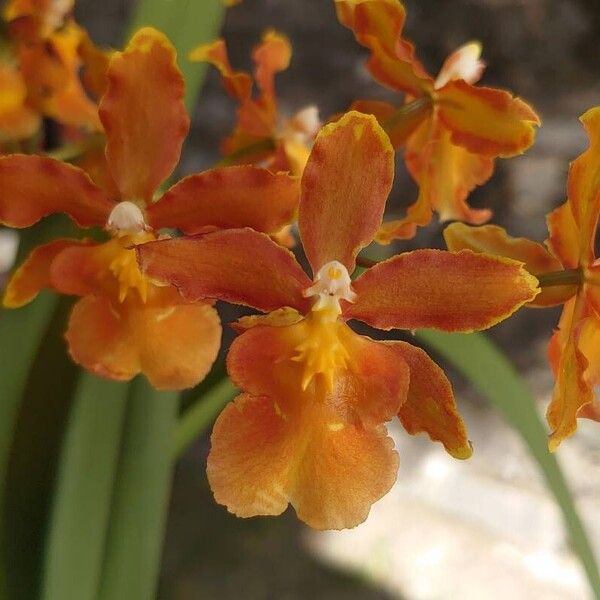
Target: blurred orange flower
124 323
453 131
262 135
574 347
309 427
17 120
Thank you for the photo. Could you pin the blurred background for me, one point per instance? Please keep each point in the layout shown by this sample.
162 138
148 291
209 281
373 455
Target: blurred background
485 528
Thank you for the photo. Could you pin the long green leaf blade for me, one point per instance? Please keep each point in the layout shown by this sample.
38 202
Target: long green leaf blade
88 464
200 415
187 23
141 495
493 375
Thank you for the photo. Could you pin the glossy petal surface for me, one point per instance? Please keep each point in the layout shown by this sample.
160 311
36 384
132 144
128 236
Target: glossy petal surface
33 187
231 197
240 266
144 115
345 186
441 290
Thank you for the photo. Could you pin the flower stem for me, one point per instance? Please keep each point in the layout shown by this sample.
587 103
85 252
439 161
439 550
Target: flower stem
566 277
265 145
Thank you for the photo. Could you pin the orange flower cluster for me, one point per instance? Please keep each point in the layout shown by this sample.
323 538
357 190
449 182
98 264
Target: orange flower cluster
40 76
452 129
309 427
262 135
570 273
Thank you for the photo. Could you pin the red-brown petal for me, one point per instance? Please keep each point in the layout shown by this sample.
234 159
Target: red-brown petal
143 114
450 291
486 120
33 187
174 347
230 197
240 266
430 406
494 240
34 273
345 186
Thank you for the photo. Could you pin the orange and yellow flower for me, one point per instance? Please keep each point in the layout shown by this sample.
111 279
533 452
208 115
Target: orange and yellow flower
18 121
52 50
124 323
309 427
262 135
453 130
570 274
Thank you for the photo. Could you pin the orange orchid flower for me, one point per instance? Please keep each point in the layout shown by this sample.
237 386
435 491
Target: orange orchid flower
309 427
52 50
453 130
569 273
261 135
37 19
124 323
18 122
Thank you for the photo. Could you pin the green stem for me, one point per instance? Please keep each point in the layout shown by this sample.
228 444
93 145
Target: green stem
566 277
201 415
406 112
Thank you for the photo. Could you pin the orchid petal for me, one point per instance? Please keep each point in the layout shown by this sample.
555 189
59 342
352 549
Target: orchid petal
345 186
450 291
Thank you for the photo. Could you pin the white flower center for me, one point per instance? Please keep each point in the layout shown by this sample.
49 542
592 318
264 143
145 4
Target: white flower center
332 283
126 217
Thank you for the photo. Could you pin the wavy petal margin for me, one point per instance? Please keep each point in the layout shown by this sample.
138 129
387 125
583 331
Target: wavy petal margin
461 291
240 266
33 187
144 115
345 186
491 239
231 197
486 120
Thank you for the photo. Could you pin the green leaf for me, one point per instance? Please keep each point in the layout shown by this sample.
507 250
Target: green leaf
141 494
88 465
200 415
31 465
493 375
187 23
